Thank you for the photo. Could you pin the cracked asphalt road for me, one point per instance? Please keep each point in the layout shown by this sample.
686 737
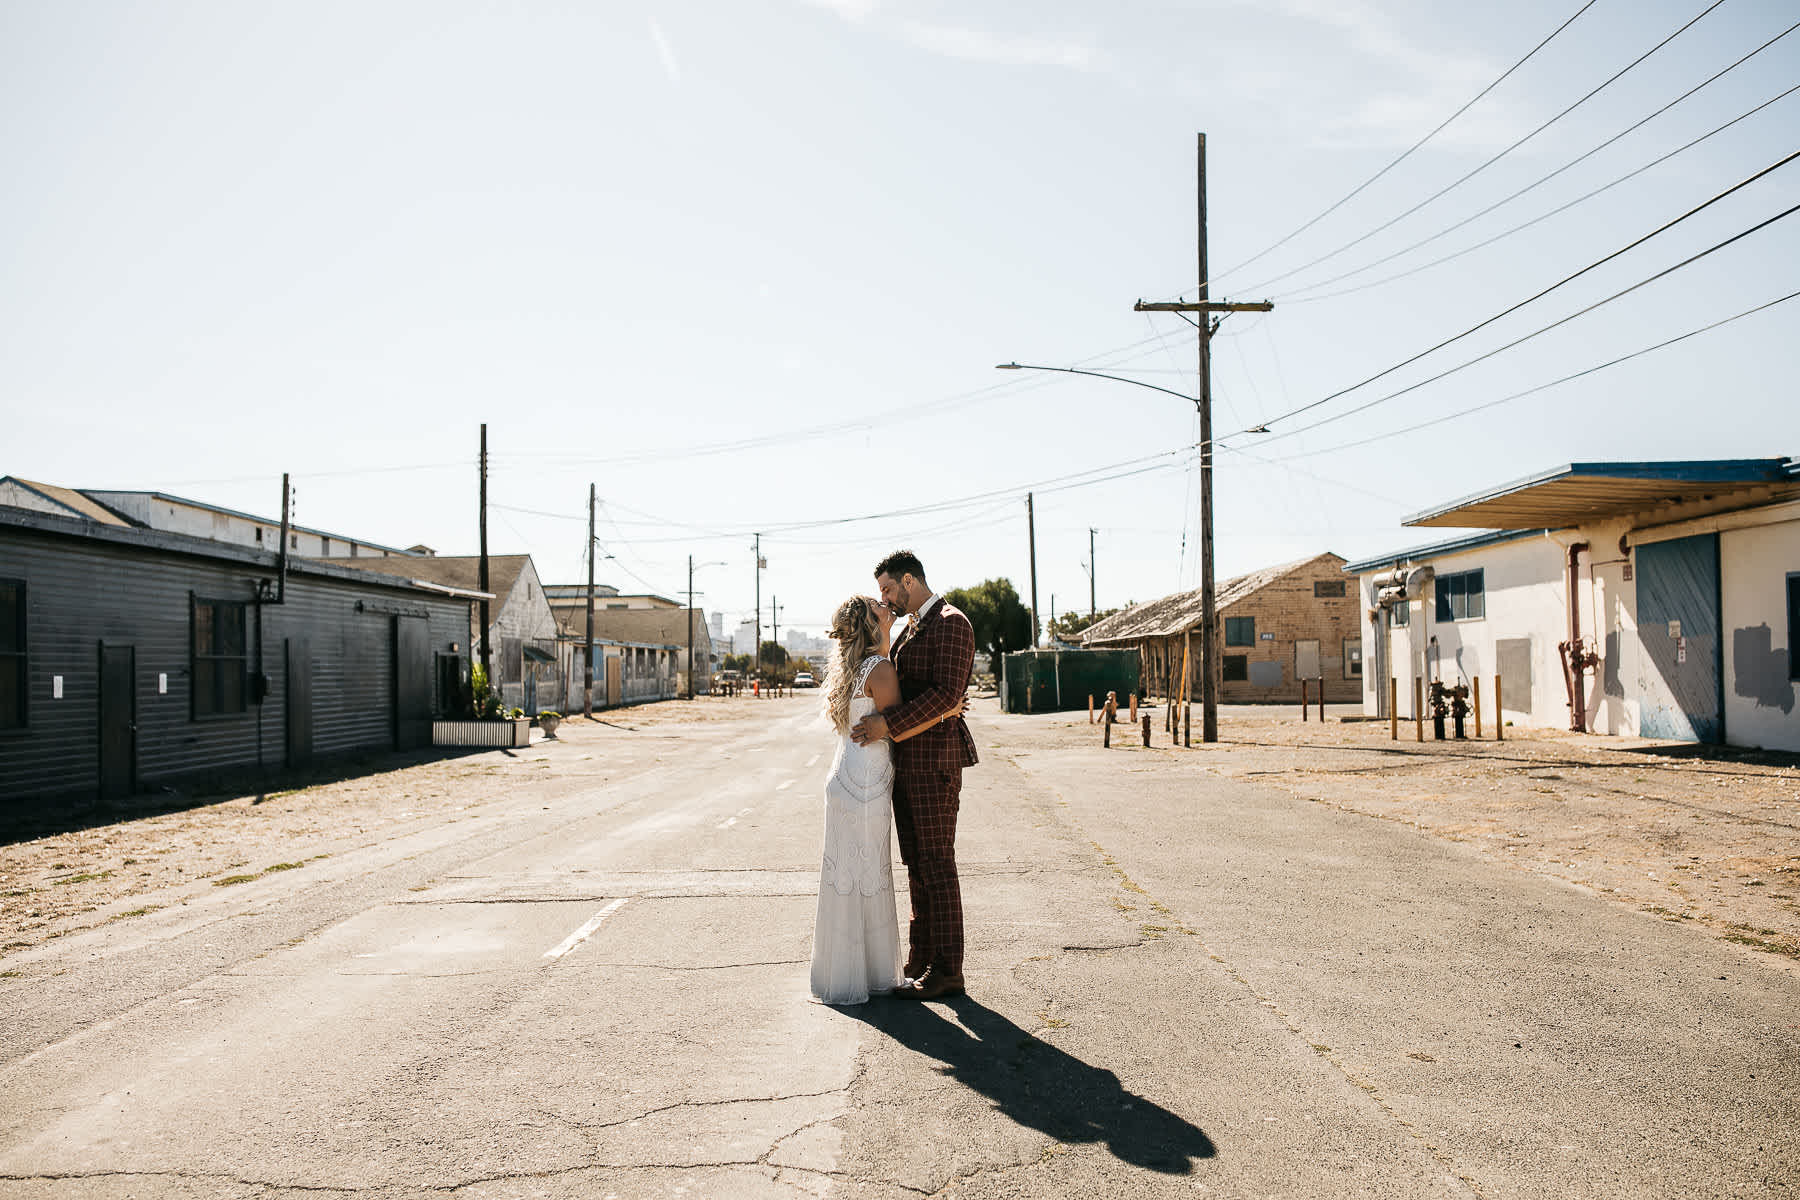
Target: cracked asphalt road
1180 985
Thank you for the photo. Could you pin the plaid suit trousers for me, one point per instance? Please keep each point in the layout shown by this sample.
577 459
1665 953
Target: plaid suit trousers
925 808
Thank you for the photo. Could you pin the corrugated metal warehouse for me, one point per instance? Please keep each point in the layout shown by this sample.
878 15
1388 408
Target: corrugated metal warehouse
131 659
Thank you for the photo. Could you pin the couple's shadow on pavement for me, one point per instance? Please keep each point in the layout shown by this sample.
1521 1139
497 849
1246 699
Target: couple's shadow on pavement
1038 1085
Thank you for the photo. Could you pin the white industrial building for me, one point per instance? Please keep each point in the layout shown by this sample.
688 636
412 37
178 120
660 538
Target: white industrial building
1649 599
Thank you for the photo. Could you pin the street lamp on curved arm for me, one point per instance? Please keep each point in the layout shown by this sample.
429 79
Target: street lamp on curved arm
692 567
1015 366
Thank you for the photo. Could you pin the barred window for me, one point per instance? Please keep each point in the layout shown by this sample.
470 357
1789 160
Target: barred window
220 657
14 685
1328 588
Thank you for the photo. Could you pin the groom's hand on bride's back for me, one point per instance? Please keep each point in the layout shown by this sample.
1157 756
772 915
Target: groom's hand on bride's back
871 728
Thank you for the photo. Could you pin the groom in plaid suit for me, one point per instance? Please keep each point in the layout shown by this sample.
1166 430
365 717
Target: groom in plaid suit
934 657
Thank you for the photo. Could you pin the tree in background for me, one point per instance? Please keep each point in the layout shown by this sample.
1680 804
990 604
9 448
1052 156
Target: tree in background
1068 626
737 662
999 618
774 664
802 664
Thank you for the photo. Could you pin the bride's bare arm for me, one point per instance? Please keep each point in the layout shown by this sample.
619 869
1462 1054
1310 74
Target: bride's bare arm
961 710
883 686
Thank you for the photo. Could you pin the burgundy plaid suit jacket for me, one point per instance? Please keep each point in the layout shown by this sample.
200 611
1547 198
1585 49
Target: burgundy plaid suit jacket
935 662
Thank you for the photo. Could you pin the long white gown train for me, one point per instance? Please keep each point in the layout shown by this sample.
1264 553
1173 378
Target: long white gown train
856 935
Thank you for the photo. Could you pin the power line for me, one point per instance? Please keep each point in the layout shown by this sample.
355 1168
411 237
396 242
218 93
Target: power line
1531 391
1408 152
1663 228
1448 229
1536 332
1462 179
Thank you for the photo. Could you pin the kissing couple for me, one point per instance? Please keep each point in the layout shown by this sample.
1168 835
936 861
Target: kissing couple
897 704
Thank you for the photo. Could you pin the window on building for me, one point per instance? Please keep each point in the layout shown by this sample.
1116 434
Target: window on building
1328 587
324 547
293 541
14 685
1352 658
1400 613
220 657
1793 629
1461 596
1237 668
1240 631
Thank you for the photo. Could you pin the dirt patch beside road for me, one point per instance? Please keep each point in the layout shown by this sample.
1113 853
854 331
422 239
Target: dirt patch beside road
1685 833
64 881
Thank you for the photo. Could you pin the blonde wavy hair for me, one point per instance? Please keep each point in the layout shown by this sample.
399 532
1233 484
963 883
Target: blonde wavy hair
857 631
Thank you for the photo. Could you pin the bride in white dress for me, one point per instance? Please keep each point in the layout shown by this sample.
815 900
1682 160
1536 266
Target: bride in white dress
856 935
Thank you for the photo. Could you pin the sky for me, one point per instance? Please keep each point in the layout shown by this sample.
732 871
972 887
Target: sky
749 268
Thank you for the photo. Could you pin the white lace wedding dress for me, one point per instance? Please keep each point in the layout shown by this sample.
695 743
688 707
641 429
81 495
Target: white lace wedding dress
856 936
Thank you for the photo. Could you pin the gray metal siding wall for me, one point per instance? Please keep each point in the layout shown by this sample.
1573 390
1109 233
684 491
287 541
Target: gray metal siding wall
79 593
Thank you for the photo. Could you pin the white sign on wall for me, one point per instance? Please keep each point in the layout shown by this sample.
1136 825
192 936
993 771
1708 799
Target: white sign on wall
1675 629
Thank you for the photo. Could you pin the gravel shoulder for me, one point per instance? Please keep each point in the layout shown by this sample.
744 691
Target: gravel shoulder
1709 836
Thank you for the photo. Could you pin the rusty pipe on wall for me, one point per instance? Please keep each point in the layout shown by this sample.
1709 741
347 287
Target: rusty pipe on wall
1575 656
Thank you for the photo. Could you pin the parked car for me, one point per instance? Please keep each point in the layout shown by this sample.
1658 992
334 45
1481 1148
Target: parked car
804 679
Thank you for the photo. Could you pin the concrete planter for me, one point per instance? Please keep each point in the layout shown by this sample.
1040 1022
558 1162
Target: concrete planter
548 725
513 733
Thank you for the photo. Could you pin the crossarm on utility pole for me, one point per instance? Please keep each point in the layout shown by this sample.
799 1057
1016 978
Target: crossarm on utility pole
1219 306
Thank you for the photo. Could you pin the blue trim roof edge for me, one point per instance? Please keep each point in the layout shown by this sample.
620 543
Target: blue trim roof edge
1713 470
1473 541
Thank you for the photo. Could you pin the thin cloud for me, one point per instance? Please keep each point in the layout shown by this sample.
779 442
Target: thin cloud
666 52
849 10
977 45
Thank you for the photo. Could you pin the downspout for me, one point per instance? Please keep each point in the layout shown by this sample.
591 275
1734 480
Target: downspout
1576 657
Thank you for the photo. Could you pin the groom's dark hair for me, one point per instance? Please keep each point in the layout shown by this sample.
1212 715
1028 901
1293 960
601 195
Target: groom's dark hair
901 562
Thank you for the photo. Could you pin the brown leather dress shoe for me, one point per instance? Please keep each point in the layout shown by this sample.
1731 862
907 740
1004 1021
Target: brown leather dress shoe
935 984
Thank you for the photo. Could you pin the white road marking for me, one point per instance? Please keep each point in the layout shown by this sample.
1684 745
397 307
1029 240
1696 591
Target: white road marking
727 823
581 935
813 761
785 785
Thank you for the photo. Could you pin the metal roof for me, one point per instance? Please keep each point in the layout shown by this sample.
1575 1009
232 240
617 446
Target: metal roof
1181 612
1592 491
266 561
82 506
1416 554
272 522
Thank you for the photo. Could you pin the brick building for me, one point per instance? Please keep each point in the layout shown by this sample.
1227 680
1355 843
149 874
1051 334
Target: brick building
1299 620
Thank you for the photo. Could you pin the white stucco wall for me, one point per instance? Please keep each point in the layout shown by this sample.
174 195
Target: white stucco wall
1523 582
1762 705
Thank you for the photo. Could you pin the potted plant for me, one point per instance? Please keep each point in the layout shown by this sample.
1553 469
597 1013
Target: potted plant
489 723
548 721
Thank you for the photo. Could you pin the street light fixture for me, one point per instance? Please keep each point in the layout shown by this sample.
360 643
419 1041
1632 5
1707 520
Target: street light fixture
692 567
1209 699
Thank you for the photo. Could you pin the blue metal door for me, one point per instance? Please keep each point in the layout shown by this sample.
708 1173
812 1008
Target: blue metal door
1678 626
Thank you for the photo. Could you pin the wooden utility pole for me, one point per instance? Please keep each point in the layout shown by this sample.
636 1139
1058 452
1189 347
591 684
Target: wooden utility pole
1207 326
1031 533
774 619
481 577
587 656
1091 608
756 649
690 619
